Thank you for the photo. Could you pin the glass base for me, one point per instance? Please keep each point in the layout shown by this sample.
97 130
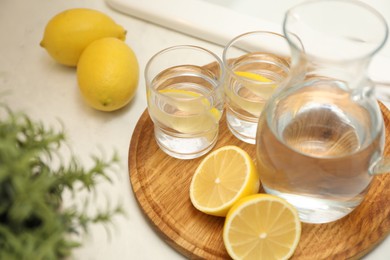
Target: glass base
185 147
242 129
315 210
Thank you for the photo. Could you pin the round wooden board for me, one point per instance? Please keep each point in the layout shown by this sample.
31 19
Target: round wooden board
161 186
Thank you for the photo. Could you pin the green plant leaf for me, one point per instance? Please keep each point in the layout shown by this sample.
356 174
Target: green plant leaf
34 224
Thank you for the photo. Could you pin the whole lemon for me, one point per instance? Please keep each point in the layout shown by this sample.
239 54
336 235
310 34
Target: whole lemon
68 33
107 74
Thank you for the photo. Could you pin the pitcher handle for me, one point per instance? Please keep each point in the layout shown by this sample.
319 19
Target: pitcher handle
381 166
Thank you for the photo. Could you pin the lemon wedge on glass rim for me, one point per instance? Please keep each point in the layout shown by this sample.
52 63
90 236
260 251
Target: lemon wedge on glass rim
261 226
223 177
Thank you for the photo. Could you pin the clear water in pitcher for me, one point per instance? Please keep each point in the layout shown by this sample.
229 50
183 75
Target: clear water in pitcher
318 153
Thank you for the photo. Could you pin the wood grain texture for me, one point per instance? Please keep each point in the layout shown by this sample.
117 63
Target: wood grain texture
161 186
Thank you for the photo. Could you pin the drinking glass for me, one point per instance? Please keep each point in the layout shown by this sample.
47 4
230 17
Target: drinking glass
321 138
185 99
256 63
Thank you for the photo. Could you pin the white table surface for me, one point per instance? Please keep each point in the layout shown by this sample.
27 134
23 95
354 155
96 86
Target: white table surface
32 82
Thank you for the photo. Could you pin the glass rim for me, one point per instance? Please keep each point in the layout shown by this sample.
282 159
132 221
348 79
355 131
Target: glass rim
221 76
356 3
226 62
236 38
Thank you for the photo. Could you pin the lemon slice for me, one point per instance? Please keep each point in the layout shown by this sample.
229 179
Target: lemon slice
253 93
188 112
180 92
252 76
195 105
261 226
222 178
262 90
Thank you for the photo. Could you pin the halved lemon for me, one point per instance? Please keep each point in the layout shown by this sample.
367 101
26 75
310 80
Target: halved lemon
223 177
261 226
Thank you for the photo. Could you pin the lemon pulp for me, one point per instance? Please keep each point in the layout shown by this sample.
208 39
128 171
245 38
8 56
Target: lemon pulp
261 226
223 177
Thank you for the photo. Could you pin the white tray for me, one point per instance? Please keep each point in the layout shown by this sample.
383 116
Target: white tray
218 21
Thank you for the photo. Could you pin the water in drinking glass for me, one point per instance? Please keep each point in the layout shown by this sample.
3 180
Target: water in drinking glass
255 78
185 107
256 64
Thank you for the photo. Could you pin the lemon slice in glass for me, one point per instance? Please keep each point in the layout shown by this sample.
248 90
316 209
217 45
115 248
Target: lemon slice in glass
259 85
252 76
261 226
187 112
223 177
254 91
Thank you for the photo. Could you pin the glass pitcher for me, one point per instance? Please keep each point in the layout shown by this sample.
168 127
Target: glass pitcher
321 137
